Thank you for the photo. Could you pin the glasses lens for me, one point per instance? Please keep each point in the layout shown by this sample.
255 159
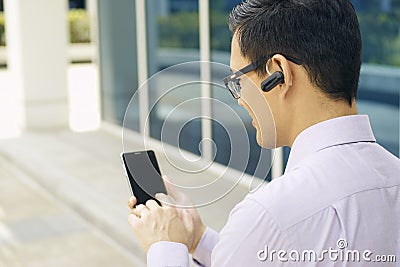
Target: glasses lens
234 88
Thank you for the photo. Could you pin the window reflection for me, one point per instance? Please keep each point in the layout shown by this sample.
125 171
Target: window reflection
173 38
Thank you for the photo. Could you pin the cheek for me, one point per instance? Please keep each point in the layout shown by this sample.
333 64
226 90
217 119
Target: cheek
254 99
249 89
259 107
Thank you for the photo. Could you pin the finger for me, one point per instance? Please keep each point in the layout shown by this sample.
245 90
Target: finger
179 197
139 210
171 189
164 199
152 204
144 212
135 212
132 202
133 220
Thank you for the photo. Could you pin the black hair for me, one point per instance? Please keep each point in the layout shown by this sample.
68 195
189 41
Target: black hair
323 34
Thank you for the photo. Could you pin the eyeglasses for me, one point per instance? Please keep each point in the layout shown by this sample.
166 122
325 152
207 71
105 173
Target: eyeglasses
232 82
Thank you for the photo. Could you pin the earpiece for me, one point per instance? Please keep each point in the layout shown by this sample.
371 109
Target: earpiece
272 81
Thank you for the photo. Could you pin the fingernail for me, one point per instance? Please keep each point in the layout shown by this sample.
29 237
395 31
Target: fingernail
131 200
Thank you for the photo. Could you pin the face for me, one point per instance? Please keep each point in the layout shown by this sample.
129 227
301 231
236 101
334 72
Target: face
253 99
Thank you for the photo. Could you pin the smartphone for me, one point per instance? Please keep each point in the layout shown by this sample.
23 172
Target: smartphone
143 175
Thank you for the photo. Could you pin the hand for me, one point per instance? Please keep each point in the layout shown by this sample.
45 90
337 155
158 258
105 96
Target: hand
183 200
152 223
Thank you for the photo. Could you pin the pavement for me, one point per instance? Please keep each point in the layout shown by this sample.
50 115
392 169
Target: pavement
37 229
63 200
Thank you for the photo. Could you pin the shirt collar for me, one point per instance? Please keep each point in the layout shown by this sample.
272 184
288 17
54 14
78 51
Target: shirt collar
337 131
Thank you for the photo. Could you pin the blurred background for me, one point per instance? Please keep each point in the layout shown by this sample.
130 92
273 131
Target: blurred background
68 71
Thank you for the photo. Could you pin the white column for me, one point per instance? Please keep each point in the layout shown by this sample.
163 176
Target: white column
37 44
141 39
93 11
205 77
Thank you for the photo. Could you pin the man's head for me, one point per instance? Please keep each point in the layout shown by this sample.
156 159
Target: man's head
323 34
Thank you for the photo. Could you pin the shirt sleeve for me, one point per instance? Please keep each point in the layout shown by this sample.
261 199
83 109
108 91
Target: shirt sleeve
248 231
241 242
202 254
166 253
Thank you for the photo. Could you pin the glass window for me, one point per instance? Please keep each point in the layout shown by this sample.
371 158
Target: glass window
173 38
380 74
81 4
224 141
117 51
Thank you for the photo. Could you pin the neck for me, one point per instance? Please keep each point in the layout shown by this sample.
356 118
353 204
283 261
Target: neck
310 116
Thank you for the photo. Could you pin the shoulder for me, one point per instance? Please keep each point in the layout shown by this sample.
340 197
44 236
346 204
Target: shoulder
308 188
324 178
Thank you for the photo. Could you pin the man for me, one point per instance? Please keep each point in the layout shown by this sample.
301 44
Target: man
338 202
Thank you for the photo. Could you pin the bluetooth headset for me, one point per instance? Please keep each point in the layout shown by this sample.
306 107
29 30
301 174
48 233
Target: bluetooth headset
277 77
272 81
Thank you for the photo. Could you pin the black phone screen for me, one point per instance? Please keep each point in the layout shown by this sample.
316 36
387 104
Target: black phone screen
144 175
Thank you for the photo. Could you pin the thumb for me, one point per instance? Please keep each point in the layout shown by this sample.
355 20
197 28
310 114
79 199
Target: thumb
180 198
171 188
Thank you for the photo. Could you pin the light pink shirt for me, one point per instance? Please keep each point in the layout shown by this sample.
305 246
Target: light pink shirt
338 204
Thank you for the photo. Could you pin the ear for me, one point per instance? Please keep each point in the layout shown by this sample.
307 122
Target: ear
280 63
